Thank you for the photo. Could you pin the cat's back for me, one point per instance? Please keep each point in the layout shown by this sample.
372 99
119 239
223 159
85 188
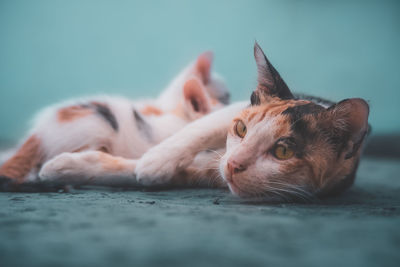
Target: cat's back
118 125
106 122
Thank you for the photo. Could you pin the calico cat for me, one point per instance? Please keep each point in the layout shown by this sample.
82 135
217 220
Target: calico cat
106 129
281 146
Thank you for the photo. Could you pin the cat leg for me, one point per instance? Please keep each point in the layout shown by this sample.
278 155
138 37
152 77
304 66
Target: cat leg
194 177
24 161
203 172
159 164
89 167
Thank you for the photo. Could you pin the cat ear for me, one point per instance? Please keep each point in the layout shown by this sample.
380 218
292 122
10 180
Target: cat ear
350 116
195 96
203 66
270 82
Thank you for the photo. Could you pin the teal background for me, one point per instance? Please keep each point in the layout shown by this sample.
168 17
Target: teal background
52 50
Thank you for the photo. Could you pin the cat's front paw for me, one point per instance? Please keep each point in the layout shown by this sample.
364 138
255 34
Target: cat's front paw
159 165
61 166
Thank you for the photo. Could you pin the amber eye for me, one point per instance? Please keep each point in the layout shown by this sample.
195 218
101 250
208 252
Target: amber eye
283 152
240 129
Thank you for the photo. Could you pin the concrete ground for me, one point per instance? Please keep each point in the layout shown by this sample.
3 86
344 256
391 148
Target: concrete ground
200 227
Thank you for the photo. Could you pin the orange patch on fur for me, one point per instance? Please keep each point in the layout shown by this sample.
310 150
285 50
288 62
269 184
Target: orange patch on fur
272 108
71 113
213 101
151 110
252 115
179 111
24 160
104 149
284 127
111 163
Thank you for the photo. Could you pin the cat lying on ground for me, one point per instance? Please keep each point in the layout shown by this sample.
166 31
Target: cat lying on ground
113 128
281 146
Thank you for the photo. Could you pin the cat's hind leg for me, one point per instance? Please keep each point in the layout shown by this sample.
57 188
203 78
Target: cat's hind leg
24 161
89 168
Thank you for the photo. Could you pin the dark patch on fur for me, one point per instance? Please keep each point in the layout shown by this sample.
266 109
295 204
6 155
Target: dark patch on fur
300 127
142 125
255 99
339 141
337 138
106 114
298 123
195 105
316 100
297 112
225 98
280 89
303 135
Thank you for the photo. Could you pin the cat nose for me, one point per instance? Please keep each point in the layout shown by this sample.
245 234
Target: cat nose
235 167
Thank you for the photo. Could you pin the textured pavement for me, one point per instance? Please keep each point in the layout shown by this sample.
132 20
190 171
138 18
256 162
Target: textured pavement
200 227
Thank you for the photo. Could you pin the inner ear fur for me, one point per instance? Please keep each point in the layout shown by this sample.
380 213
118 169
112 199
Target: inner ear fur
350 118
195 96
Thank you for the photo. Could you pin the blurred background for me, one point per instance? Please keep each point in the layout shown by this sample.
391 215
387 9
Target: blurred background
53 50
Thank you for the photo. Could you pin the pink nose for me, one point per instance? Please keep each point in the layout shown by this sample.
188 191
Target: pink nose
234 167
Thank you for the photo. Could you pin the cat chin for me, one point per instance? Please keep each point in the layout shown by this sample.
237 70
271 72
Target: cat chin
234 190
232 187
229 181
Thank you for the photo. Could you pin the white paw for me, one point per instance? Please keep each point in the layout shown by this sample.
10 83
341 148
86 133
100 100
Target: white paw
158 165
61 166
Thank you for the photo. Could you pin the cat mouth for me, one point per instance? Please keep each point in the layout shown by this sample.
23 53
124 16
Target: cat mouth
231 183
227 175
234 188
229 180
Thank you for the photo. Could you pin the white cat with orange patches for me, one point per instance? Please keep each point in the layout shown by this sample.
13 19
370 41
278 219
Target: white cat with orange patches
280 146
95 140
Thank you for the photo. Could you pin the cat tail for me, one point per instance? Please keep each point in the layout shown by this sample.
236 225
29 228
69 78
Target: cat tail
25 159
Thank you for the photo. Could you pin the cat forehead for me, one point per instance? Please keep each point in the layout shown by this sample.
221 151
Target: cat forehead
291 110
288 117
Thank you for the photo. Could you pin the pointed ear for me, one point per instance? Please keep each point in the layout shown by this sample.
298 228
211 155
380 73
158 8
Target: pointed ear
350 116
270 82
203 66
195 96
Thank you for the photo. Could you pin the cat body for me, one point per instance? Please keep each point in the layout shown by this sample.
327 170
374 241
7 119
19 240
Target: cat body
278 146
109 127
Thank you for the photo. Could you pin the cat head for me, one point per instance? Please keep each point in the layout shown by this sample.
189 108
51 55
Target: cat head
283 147
196 91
